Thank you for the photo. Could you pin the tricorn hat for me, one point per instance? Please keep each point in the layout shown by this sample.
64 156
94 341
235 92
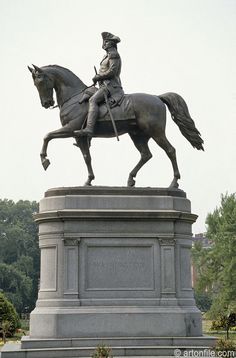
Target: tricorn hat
110 37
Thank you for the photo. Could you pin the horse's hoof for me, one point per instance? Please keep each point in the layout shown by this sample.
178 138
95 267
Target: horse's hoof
174 184
131 182
87 184
45 163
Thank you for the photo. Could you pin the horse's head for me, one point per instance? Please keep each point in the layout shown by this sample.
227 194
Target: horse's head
44 85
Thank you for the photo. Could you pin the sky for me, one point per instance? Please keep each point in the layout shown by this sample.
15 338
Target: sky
182 46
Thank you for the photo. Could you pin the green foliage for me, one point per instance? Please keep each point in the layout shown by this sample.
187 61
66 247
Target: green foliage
203 301
17 230
225 322
16 285
19 253
7 314
24 324
102 352
5 329
25 264
224 345
216 266
200 259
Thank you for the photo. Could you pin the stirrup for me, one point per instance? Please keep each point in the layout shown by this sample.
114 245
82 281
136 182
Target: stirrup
84 132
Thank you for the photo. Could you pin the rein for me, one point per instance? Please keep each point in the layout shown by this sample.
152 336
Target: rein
54 107
74 95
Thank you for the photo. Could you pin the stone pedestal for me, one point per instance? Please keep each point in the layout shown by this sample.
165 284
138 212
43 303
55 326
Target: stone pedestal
115 268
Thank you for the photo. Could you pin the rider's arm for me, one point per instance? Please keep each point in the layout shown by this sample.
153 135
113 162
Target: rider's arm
114 63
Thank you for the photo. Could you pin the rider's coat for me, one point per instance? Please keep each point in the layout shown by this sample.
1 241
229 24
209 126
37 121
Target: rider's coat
109 72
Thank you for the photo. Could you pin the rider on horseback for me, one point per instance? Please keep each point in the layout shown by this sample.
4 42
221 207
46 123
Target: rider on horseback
108 79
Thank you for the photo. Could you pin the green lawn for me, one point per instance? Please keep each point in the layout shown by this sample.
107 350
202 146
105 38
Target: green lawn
206 325
24 330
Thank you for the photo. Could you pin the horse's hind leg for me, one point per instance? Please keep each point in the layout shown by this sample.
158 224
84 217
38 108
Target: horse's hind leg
141 143
170 151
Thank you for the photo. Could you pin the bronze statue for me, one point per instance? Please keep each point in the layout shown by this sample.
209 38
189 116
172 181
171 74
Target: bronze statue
142 116
109 82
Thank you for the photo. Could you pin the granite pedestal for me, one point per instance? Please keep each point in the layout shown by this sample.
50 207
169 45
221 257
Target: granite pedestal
115 269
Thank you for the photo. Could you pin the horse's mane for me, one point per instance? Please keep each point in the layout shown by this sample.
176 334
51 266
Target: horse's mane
66 74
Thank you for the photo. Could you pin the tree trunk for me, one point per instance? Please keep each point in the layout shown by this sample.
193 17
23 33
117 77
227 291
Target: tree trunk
4 337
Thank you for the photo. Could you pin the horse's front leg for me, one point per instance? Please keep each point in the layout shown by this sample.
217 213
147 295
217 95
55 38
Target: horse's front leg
59 133
43 155
84 143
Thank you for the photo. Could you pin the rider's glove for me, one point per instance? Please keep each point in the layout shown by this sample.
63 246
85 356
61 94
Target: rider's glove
96 79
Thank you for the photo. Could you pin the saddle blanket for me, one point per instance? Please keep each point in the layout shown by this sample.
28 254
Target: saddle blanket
122 111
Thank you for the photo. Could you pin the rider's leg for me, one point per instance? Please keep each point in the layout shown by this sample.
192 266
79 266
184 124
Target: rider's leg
94 102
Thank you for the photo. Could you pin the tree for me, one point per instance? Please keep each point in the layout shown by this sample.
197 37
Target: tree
9 320
200 257
18 231
16 286
203 300
225 322
19 252
217 265
5 329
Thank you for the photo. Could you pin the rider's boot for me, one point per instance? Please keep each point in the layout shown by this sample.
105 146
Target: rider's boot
89 130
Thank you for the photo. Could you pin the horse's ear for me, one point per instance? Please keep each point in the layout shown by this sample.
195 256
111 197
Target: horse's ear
30 69
38 69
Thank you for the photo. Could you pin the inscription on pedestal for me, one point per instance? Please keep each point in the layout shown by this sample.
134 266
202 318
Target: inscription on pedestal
119 268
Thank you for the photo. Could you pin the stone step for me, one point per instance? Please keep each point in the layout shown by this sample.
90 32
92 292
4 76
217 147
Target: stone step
30 343
14 351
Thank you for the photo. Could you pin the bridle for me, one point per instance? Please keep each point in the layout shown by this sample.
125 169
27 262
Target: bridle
74 95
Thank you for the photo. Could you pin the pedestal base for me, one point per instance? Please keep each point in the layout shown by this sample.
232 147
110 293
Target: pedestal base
115 263
121 347
95 322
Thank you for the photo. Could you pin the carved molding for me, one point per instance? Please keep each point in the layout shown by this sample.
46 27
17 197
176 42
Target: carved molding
71 242
169 241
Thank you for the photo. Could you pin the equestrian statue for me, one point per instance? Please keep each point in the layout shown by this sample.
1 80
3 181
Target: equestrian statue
105 111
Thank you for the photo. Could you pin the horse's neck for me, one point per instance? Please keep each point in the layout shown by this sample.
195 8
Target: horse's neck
63 93
67 87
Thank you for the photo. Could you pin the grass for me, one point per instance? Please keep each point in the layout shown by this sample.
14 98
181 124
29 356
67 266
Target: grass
19 333
206 325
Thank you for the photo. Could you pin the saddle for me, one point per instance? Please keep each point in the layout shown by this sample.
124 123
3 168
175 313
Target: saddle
121 111
121 107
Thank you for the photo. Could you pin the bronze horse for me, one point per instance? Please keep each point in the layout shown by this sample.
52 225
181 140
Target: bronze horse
150 122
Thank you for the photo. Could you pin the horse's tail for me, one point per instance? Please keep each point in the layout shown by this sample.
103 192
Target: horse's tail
180 115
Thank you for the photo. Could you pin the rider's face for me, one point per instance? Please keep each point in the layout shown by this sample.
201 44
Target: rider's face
107 44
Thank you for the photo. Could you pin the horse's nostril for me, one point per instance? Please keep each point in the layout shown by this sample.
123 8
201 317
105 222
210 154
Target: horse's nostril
46 104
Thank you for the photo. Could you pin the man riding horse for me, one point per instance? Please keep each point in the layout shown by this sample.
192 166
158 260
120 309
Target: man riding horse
109 82
149 110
